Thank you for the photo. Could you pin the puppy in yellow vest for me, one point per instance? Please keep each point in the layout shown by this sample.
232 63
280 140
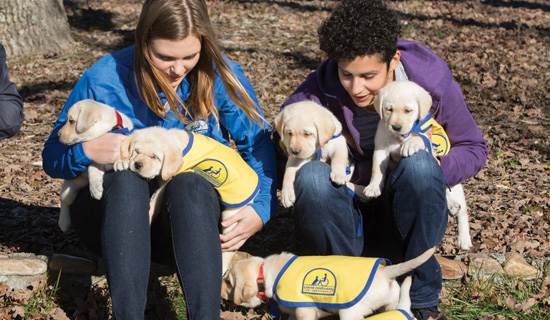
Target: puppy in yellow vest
155 152
313 287
405 127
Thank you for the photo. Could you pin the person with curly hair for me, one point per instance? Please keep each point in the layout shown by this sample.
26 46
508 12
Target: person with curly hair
361 39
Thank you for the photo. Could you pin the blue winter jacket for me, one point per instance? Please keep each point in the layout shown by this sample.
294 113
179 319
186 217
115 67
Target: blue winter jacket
111 81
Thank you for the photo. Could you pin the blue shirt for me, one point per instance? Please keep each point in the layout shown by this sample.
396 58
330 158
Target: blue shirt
111 81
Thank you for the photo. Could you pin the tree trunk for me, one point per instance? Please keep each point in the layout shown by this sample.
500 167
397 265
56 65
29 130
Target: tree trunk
34 26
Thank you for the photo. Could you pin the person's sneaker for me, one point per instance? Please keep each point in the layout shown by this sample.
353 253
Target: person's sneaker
431 313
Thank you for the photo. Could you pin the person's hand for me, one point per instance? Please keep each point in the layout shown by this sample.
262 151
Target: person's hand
104 149
248 223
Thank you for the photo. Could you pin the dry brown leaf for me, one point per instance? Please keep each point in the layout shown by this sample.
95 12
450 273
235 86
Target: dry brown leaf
526 304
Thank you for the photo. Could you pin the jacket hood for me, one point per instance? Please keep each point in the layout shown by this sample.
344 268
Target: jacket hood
426 69
421 65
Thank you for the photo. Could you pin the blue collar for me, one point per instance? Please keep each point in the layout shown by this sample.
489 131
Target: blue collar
417 127
320 154
320 150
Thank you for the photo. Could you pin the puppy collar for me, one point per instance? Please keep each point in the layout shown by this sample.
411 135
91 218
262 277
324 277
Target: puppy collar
320 150
417 127
118 124
261 284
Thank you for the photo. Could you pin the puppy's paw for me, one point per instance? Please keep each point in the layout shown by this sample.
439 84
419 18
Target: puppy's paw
464 241
121 165
339 177
411 146
372 191
96 190
453 207
287 197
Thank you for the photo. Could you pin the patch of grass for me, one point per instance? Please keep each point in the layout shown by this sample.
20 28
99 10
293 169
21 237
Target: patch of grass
502 295
43 299
408 28
530 209
284 91
175 297
506 160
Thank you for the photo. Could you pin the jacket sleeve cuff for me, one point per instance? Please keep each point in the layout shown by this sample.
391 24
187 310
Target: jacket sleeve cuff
80 157
262 209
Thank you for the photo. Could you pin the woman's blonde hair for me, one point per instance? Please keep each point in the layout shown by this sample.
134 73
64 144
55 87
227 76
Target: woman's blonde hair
176 20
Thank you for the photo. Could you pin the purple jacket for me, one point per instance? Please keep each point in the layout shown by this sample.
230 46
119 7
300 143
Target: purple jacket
468 153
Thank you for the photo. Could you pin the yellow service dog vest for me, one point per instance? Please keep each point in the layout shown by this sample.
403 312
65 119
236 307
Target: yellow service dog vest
236 182
433 134
391 315
325 281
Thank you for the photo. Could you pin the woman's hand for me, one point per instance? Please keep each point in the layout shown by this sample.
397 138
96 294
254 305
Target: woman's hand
104 149
248 223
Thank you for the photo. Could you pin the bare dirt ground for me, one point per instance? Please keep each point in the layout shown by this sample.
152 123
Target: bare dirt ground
498 51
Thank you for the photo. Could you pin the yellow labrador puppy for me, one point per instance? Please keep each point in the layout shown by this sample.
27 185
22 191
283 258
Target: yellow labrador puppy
404 108
155 152
312 287
87 120
307 130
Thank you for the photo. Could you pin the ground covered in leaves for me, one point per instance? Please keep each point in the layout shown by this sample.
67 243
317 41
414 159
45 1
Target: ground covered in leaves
498 51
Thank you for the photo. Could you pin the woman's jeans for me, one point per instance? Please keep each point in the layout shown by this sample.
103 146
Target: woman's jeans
117 227
409 218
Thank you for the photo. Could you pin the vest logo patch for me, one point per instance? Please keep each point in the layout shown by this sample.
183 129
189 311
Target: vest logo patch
319 282
199 126
212 170
440 145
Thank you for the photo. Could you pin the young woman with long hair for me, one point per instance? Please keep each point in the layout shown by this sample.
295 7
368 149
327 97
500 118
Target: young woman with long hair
174 77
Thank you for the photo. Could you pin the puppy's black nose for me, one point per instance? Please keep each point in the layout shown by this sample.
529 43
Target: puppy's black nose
138 165
397 127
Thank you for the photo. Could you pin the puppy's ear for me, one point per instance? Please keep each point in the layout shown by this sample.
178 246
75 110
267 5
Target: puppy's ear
424 101
125 147
87 118
327 126
279 123
226 288
243 291
378 102
172 161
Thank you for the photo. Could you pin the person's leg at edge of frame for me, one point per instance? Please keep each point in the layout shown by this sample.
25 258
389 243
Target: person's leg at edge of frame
326 219
193 211
119 225
416 188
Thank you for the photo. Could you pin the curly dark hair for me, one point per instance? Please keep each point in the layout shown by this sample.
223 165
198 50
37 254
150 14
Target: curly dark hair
359 28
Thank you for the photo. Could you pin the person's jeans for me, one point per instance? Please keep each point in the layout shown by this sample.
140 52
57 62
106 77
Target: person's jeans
117 227
408 219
